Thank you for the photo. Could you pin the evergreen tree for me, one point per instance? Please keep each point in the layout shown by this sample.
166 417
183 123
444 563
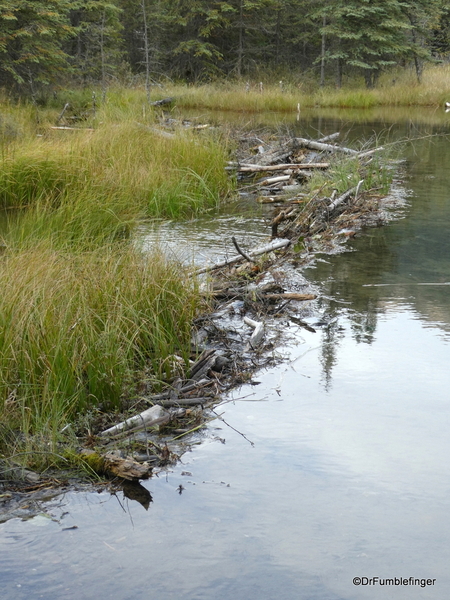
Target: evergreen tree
368 35
31 37
96 49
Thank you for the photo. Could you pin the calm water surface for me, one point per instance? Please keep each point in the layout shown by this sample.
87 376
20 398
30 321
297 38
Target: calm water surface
348 475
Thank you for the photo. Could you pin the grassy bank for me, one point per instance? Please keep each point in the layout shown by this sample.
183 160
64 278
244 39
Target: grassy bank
123 167
76 328
398 88
85 317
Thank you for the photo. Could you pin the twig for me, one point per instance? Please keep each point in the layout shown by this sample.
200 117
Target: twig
241 252
233 428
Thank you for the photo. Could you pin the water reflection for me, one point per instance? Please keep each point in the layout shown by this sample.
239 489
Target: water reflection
404 266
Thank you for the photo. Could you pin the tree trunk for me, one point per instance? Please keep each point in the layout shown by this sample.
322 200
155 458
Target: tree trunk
322 55
240 50
338 73
146 51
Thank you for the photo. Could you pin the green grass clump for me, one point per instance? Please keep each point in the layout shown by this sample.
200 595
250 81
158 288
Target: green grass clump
346 172
120 168
75 328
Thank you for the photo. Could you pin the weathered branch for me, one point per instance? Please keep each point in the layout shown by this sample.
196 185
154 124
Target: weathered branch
246 168
276 245
241 252
155 415
323 147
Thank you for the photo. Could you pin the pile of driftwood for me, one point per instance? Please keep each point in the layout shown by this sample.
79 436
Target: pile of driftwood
245 292
278 172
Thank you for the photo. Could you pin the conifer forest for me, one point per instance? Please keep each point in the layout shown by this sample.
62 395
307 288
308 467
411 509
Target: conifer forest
48 42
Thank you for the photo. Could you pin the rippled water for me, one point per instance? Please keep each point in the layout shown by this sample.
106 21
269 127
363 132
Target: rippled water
347 473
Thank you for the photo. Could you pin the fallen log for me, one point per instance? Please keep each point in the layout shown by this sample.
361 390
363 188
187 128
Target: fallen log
329 138
333 205
155 415
62 127
276 245
312 145
270 180
369 152
114 466
295 166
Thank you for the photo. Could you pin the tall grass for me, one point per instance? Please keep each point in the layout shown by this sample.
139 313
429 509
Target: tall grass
82 311
347 171
395 88
75 328
118 166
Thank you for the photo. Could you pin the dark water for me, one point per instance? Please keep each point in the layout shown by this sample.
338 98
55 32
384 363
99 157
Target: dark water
348 475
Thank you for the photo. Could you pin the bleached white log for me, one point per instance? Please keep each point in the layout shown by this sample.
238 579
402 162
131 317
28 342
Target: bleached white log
148 418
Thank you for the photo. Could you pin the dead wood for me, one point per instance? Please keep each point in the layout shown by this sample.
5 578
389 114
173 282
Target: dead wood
333 205
247 168
312 145
276 245
241 252
186 401
148 418
66 106
61 127
329 138
113 465
257 334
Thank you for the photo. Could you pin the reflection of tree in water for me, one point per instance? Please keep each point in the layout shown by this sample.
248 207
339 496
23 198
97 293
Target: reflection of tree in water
363 324
343 278
332 333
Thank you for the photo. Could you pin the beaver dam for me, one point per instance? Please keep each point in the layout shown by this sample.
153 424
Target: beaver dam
317 194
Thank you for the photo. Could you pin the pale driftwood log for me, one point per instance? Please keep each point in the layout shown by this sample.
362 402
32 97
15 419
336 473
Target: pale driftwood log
270 180
258 332
329 138
65 128
276 245
271 157
295 166
155 415
369 152
333 205
323 147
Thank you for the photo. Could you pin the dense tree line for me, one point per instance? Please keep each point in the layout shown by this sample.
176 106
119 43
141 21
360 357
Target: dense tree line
53 41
